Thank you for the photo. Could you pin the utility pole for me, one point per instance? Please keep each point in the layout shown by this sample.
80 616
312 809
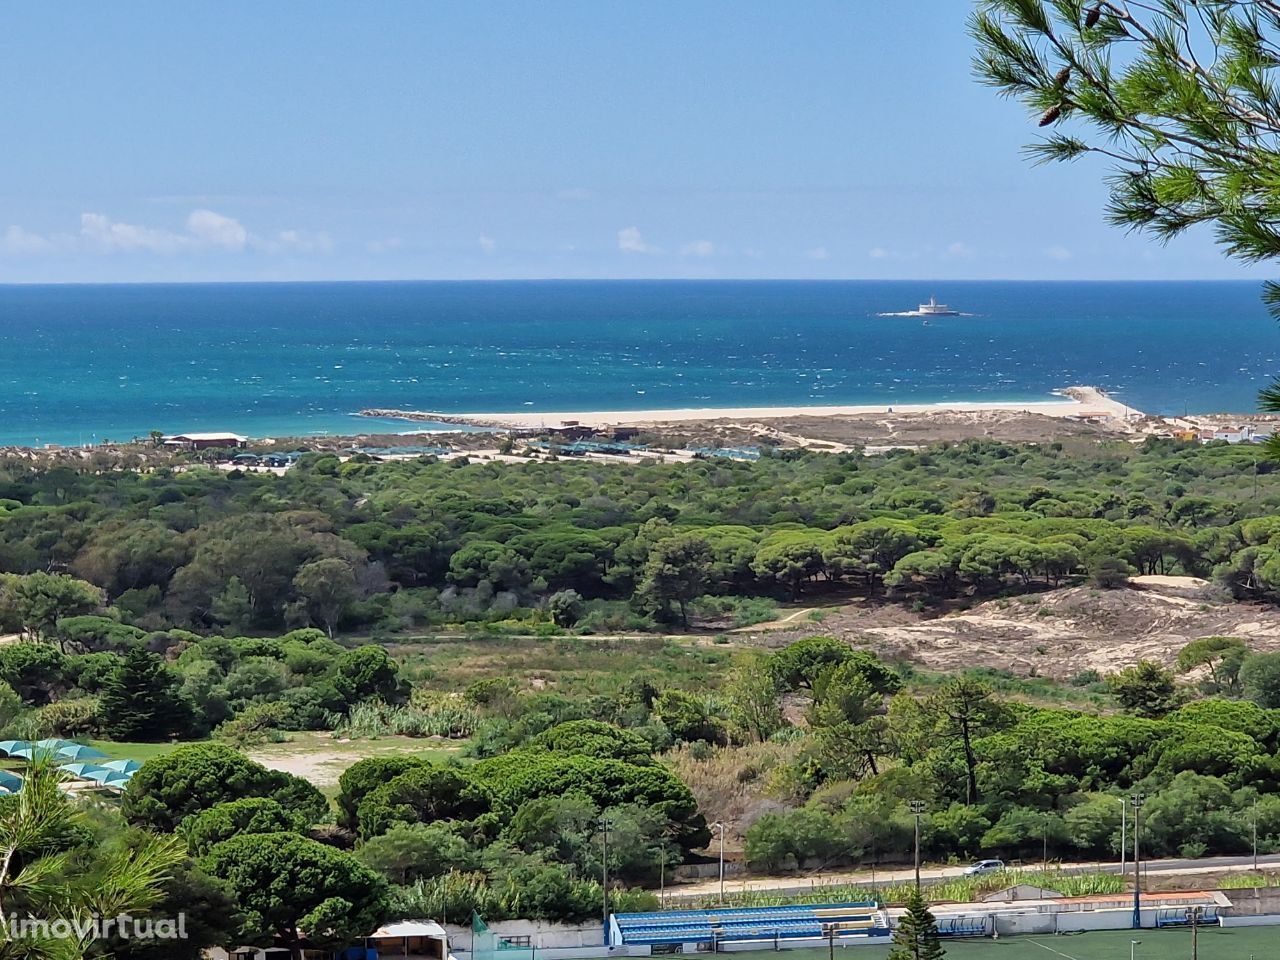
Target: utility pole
1255 834
1044 859
721 827
917 808
662 880
1137 801
1124 839
605 824
1195 932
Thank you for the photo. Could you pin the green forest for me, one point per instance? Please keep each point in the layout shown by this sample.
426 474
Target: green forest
214 614
383 548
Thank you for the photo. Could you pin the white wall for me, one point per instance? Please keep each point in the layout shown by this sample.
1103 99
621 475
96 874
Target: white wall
574 953
542 935
1266 920
1013 924
1103 920
1038 920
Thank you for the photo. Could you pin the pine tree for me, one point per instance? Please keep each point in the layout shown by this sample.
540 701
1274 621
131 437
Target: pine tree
141 701
233 606
1178 95
916 937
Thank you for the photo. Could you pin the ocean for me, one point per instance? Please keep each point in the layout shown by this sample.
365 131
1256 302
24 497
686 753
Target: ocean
84 363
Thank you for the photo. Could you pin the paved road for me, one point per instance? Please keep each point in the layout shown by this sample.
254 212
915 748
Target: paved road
805 883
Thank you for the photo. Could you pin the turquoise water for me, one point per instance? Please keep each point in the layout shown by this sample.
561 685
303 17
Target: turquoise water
79 363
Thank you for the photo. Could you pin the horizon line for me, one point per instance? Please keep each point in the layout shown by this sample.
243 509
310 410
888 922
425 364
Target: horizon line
497 280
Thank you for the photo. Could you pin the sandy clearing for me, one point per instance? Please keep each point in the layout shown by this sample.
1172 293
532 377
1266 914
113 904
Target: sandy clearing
320 769
322 760
1057 634
1178 583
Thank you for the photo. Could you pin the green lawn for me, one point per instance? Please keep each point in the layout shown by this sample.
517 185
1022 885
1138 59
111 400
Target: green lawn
142 752
1239 943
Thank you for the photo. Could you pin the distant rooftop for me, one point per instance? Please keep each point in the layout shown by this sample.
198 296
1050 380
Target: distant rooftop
197 437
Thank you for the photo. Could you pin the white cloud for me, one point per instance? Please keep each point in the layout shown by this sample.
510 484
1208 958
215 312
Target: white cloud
19 241
297 241
630 241
900 256
818 253
216 230
385 245
108 236
1061 254
960 251
204 231
488 244
699 248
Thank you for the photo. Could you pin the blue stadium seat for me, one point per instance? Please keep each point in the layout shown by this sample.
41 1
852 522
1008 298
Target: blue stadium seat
841 920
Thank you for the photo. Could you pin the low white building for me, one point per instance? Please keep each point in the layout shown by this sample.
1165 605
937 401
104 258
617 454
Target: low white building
405 940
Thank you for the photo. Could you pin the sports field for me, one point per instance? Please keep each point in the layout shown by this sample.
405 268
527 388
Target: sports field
1238 943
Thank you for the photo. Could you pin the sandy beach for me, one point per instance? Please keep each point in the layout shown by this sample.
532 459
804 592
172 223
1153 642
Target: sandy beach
1079 402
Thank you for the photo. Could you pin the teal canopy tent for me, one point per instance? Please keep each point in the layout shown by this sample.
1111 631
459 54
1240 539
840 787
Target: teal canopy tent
123 766
55 744
77 751
37 752
116 781
85 771
110 778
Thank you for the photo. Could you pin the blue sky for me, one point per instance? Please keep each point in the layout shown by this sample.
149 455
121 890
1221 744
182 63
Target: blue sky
595 138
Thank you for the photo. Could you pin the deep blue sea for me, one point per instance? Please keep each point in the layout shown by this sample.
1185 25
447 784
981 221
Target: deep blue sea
84 363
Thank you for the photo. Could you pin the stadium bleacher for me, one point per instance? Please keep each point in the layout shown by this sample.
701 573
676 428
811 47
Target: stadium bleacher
834 921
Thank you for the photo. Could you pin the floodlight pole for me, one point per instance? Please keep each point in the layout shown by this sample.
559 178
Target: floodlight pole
1137 801
917 808
1124 836
719 825
605 824
662 881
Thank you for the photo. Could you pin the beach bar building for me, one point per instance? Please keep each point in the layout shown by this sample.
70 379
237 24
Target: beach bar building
205 441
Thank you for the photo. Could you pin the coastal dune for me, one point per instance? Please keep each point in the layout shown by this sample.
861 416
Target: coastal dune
1077 402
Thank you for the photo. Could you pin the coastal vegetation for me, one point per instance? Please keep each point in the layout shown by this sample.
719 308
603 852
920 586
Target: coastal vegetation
464 602
538 687
545 548
519 833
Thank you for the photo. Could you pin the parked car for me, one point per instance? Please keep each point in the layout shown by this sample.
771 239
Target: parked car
984 866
